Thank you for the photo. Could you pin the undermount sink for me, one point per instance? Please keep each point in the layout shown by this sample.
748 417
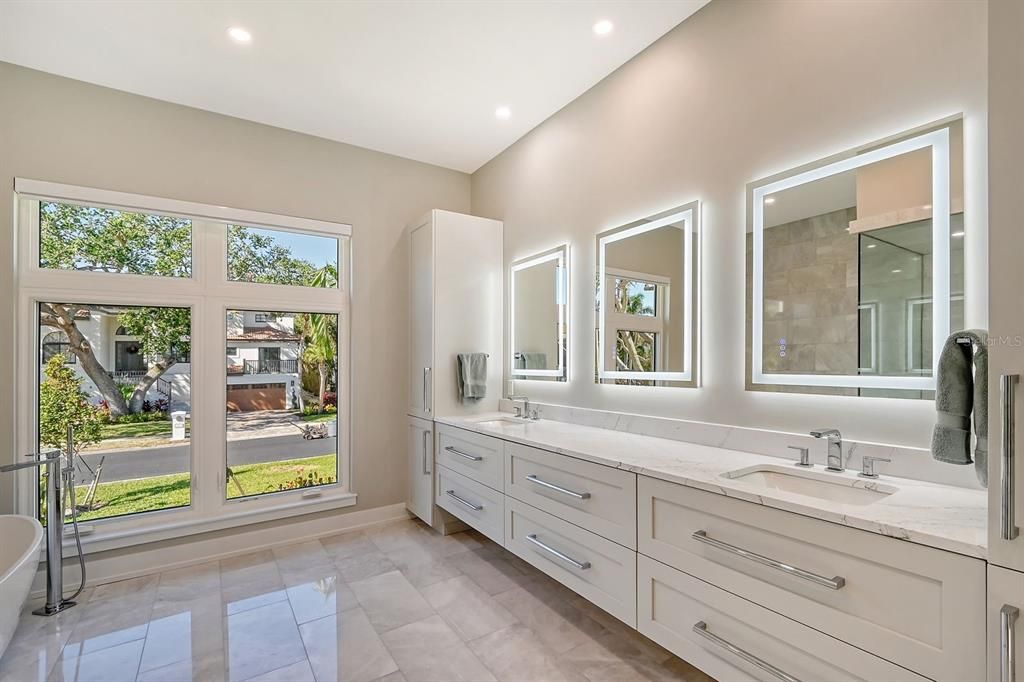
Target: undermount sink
499 421
823 486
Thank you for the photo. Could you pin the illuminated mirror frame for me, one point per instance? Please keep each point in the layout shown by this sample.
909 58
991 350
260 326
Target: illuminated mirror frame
560 255
689 215
938 141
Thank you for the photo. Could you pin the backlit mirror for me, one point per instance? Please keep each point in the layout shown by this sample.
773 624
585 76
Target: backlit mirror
856 269
647 300
538 331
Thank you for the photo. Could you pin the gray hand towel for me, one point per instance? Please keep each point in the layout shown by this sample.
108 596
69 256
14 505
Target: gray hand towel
962 389
472 377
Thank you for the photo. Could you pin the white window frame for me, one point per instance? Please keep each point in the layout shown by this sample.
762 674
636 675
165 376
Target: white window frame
647 324
209 294
938 142
688 214
560 255
872 308
913 303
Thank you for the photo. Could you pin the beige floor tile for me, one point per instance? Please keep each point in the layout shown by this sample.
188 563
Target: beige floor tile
469 610
118 663
517 654
364 566
322 597
251 588
183 631
123 588
344 545
560 625
390 601
492 573
393 677
430 651
344 647
262 639
299 671
185 584
422 567
618 658
301 555
206 668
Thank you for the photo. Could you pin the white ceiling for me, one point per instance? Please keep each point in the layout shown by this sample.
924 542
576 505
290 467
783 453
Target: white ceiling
416 78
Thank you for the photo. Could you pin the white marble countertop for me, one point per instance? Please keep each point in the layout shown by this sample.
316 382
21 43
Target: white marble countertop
942 516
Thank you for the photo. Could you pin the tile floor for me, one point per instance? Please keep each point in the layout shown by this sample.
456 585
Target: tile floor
395 602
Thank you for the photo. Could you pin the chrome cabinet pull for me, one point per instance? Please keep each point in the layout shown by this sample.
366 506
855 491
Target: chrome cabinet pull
464 503
1007 526
833 583
701 628
1007 656
426 380
426 457
460 453
532 478
582 565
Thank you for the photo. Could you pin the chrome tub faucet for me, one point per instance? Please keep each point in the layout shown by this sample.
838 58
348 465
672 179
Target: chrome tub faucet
835 447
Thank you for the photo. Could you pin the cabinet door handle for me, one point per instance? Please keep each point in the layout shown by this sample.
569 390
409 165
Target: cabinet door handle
464 503
1007 527
833 583
701 628
582 565
532 478
466 455
426 382
426 451
1007 655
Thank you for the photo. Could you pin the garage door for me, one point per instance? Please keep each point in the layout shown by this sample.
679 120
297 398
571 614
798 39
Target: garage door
255 397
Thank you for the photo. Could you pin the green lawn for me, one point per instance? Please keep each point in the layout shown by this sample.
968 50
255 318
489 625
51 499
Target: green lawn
317 418
136 430
164 492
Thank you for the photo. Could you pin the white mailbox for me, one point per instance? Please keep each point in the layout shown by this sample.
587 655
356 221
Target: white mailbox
178 425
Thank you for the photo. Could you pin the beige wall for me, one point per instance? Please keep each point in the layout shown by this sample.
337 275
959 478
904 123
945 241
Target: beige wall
66 131
740 91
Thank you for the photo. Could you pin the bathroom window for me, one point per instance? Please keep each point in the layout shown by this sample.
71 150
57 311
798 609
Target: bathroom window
113 355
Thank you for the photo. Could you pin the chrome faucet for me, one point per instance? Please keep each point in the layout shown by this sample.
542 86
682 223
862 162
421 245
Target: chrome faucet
835 447
59 468
523 411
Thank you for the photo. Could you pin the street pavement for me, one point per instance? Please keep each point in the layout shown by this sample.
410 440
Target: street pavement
127 464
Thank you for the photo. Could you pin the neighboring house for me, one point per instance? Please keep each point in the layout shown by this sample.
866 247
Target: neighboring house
262 360
263 353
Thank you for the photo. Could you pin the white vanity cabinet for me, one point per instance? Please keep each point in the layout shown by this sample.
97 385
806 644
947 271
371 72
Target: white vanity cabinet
419 468
455 304
917 607
1005 625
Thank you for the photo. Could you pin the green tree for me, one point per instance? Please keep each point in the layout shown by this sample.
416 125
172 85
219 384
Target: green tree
63 403
320 332
105 240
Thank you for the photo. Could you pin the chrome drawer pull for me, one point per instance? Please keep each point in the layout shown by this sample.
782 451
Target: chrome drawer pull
701 628
466 503
532 478
1007 657
460 453
832 583
582 565
1007 526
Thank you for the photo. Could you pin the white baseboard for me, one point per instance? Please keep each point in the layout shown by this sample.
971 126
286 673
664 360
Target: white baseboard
121 564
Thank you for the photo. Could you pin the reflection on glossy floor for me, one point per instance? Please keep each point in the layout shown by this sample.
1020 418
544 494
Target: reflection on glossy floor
395 602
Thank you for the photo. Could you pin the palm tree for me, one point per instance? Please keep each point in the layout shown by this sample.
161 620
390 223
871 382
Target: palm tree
322 332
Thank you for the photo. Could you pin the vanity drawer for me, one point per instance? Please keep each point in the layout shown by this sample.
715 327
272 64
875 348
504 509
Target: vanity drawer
672 604
600 570
596 497
475 504
471 454
918 607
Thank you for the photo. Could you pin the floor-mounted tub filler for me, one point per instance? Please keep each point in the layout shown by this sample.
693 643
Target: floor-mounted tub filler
19 553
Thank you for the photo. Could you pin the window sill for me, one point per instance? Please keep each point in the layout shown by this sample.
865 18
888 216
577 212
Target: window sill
101 539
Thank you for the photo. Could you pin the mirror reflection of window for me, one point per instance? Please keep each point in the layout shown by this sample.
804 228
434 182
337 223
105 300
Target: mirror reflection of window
847 272
646 301
538 320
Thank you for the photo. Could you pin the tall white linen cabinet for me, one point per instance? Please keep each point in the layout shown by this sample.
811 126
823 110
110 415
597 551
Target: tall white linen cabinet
1006 352
455 306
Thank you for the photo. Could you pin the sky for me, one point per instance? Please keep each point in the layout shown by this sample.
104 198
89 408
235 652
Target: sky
313 248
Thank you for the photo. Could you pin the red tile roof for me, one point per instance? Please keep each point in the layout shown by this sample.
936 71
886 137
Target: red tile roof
263 334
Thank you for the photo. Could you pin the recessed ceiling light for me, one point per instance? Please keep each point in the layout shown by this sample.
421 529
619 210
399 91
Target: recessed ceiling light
239 35
769 200
603 27
502 113
871 246
897 271
957 234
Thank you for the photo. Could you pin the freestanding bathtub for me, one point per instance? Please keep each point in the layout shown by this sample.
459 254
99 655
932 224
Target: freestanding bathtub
20 537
